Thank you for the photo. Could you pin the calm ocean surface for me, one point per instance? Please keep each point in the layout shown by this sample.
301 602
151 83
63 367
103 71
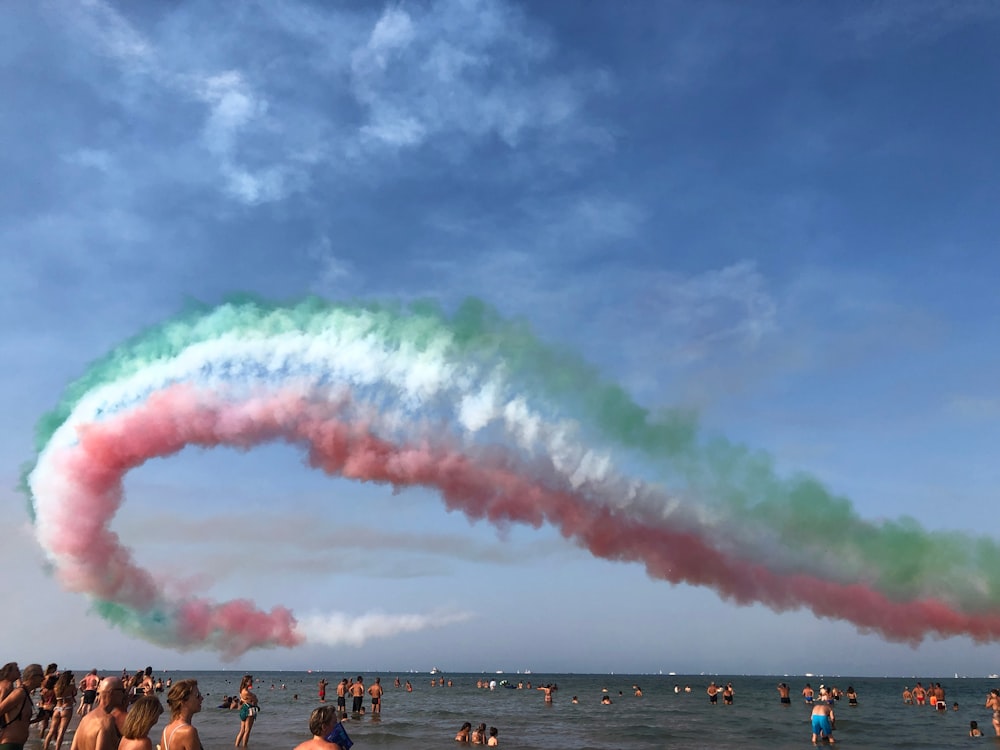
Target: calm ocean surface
429 717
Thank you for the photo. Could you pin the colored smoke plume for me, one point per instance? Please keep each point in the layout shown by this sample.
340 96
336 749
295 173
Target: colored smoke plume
504 428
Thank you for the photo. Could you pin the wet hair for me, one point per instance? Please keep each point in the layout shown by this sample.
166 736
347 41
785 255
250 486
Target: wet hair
53 667
467 725
50 681
246 682
180 692
141 717
493 731
8 671
320 718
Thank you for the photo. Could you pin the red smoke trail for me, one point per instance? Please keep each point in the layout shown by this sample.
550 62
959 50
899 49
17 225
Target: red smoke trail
495 487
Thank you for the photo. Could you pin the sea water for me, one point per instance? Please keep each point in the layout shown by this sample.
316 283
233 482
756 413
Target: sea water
429 716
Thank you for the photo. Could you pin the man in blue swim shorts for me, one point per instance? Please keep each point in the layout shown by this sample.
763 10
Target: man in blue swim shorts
822 722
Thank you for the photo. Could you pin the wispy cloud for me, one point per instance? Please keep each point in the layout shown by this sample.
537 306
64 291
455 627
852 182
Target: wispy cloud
470 72
473 69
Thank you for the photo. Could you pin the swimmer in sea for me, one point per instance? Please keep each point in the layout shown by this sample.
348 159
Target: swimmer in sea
974 730
807 693
713 693
548 692
852 696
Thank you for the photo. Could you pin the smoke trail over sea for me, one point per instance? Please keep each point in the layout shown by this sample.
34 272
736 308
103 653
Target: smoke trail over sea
505 428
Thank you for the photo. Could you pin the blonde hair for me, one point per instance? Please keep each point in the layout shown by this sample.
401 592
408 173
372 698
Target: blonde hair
141 717
179 693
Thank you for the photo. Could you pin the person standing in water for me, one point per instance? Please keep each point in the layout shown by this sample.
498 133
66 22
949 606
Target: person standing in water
375 691
248 710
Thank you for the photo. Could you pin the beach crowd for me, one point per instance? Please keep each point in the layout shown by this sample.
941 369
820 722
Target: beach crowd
118 712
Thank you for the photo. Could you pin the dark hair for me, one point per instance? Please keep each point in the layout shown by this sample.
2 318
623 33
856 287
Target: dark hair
64 682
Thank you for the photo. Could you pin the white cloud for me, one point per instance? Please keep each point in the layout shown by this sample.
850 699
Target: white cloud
472 68
233 106
460 74
111 31
393 32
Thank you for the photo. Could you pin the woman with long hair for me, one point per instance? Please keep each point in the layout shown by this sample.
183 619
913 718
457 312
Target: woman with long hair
46 704
993 703
248 710
184 700
62 710
142 717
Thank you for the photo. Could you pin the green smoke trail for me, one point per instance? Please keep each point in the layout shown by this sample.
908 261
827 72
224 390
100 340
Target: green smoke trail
796 515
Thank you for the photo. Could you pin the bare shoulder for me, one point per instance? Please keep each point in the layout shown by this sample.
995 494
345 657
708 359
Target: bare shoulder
317 743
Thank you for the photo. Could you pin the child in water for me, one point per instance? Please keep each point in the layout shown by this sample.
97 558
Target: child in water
974 730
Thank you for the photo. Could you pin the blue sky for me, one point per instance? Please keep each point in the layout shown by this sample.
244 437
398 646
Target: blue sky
781 216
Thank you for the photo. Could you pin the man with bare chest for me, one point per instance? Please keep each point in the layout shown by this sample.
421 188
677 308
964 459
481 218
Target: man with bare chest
101 728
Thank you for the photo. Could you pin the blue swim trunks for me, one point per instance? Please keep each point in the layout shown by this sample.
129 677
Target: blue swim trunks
821 725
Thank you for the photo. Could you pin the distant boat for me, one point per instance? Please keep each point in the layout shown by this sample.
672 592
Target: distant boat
435 670
994 676
499 671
